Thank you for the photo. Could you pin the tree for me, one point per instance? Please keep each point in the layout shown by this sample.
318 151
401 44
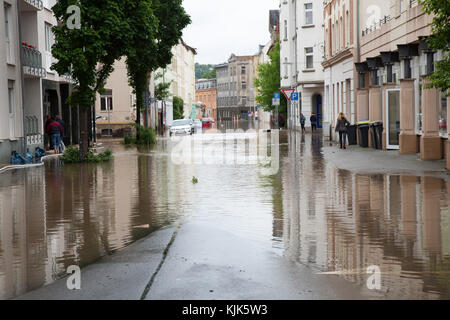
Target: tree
178 108
268 81
152 41
211 74
440 40
140 55
162 89
89 51
201 69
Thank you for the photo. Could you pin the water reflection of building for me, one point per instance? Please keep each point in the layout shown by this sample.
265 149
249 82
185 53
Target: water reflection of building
398 223
22 248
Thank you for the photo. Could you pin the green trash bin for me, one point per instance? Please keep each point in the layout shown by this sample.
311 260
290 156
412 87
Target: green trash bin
363 133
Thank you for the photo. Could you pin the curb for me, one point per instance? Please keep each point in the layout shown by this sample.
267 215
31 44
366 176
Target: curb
25 166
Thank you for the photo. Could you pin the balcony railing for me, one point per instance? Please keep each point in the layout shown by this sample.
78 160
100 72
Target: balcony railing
376 25
38 4
32 61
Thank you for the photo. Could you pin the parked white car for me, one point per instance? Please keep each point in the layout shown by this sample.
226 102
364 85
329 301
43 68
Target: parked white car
198 125
183 126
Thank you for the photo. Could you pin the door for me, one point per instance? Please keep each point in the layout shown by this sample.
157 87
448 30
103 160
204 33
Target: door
11 111
393 119
319 111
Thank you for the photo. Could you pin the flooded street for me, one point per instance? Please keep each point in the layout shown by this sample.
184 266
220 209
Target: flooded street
309 213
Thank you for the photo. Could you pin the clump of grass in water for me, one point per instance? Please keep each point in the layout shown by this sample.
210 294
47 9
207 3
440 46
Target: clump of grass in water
194 180
72 155
147 136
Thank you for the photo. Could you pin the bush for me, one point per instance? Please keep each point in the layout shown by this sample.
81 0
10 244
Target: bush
147 136
72 155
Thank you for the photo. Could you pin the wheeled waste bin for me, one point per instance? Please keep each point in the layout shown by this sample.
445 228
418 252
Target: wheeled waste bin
378 126
373 135
351 132
363 133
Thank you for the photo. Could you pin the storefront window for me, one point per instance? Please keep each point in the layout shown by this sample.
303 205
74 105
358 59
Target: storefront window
443 116
419 109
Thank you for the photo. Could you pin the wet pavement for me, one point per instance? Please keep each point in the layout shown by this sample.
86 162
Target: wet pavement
272 236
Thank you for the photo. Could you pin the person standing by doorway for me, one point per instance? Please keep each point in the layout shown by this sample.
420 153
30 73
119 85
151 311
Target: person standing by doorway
55 130
313 120
302 122
341 127
62 147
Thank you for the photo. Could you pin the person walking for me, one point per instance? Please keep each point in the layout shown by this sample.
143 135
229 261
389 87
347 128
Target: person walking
62 147
313 120
54 129
341 127
302 122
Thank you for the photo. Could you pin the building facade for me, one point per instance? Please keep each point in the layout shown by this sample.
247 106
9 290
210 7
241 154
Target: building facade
181 75
29 89
301 55
395 63
206 93
235 87
339 60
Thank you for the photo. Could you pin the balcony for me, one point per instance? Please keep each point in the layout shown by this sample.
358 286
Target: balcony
32 62
32 5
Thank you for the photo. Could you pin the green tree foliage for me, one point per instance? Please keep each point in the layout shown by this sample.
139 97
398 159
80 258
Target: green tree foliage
90 51
201 69
211 74
440 9
162 89
152 41
268 81
178 108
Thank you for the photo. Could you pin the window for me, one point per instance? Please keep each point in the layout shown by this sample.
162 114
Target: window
285 68
285 30
243 70
8 27
309 58
308 13
244 85
347 31
106 101
244 100
48 37
443 115
11 99
11 109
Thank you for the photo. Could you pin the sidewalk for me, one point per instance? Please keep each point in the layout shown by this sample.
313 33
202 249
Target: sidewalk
198 261
371 161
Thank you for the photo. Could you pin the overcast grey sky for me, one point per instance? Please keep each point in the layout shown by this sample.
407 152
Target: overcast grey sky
220 27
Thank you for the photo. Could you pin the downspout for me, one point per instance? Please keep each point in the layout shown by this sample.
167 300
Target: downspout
22 78
358 57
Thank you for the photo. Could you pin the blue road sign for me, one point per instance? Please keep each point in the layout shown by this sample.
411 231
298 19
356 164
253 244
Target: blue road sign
277 96
294 96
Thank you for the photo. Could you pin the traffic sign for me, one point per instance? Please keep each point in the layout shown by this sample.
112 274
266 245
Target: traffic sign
287 93
294 96
277 95
275 102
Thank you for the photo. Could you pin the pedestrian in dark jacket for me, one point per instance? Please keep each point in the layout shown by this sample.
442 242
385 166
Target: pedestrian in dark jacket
341 127
55 130
313 120
302 122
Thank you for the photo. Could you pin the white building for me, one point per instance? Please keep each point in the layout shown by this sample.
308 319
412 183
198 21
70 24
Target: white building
301 54
29 90
181 74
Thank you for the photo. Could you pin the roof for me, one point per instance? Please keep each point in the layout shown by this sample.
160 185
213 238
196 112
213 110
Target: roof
188 47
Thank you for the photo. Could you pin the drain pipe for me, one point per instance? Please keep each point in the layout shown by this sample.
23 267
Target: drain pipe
358 53
22 78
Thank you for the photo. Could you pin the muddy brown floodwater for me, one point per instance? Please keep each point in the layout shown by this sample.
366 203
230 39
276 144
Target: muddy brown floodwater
309 212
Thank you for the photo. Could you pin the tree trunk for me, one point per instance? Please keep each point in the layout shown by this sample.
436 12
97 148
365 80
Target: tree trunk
139 103
84 134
